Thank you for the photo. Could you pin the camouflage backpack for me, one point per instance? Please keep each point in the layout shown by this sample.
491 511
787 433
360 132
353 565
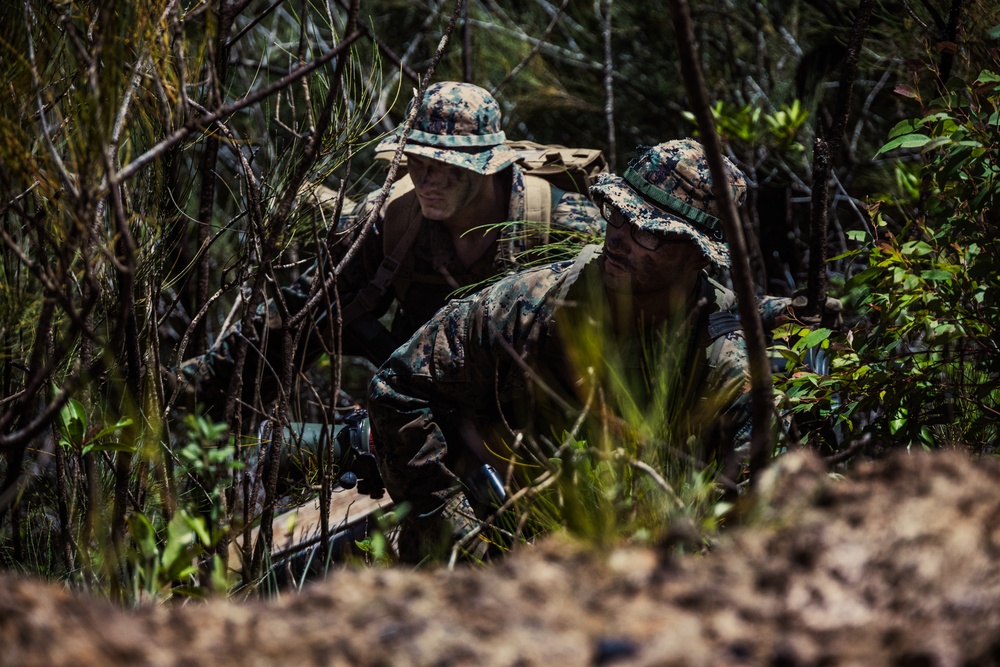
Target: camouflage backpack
563 169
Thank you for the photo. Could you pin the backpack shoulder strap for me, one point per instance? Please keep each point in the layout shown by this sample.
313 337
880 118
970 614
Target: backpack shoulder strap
538 205
396 216
587 255
399 231
720 324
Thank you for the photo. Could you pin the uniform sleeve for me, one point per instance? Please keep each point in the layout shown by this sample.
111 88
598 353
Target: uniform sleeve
420 394
448 375
773 311
729 382
574 212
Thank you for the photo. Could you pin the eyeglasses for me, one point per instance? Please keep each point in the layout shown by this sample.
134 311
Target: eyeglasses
645 238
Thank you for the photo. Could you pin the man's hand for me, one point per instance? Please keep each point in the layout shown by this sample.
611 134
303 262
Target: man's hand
776 311
831 317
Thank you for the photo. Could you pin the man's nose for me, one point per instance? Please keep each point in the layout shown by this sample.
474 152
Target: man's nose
433 175
619 238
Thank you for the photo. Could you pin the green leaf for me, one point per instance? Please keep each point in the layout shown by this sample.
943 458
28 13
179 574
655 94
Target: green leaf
942 329
379 546
906 91
73 421
905 127
721 508
917 248
814 338
143 535
905 141
111 429
197 524
109 447
179 538
220 577
937 275
936 142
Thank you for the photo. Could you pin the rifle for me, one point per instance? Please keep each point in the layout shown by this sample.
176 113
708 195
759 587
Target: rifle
354 458
353 454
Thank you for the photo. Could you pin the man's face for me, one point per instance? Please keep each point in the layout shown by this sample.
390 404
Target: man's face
630 267
443 190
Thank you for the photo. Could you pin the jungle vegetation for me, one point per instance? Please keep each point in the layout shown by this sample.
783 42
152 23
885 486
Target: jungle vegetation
160 162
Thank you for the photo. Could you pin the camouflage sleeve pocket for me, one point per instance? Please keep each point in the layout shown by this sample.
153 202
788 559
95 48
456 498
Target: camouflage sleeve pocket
448 364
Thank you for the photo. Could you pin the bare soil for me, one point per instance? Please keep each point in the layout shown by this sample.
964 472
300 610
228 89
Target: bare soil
897 564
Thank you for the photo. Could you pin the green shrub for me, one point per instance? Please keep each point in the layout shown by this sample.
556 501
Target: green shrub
922 365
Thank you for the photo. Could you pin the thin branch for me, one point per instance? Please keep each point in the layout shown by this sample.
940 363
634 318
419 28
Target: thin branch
400 62
466 45
542 41
935 16
35 79
822 147
845 454
949 34
658 480
390 178
14 491
292 330
199 124
609 89
545 480
761 387
249 26
566 55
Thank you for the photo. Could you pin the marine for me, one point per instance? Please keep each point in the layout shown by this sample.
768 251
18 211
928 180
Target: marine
464 214
498 378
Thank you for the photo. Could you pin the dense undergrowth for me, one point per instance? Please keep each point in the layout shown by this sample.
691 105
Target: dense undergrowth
159 168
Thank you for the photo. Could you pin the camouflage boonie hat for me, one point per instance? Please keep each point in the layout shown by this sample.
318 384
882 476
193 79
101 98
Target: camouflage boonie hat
458 123
669 189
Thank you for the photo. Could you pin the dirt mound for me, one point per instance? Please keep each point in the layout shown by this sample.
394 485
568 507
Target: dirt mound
897 565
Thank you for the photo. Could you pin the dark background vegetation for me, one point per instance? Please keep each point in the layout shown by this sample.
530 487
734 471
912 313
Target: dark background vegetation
158 171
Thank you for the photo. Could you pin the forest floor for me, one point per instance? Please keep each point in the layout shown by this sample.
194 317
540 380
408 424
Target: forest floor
896 564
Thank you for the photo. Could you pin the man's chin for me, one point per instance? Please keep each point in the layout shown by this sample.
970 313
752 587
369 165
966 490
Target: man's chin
433 212
615 278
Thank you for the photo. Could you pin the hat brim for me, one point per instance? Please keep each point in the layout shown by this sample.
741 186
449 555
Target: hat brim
487 160
639 211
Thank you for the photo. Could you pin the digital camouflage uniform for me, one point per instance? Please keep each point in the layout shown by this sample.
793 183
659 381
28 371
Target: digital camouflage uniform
458 124
466 363
482 361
